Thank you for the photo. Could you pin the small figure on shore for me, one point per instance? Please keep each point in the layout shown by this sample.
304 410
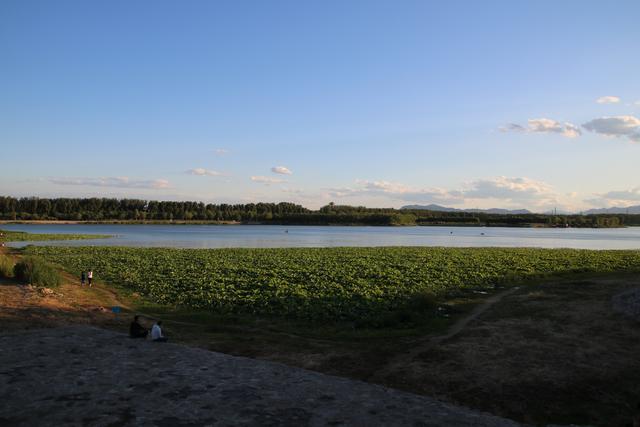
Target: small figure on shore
136 330
90 277
83 278
156 332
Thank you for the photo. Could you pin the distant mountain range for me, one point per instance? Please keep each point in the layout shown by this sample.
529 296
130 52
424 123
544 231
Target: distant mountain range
614 210
439 208
630 210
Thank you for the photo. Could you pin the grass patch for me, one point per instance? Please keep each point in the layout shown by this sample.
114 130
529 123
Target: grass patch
37 272
21 236
6 266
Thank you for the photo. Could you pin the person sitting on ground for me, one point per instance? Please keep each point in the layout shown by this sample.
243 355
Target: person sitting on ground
136 330
156 332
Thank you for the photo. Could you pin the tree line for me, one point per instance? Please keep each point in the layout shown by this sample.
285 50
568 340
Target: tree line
135 210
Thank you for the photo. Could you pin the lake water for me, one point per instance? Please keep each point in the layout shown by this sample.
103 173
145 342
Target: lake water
274 236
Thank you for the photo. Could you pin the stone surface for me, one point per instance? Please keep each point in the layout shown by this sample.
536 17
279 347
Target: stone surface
87 376
628 303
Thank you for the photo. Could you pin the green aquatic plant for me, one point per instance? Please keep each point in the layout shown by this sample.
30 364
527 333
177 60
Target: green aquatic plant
324 283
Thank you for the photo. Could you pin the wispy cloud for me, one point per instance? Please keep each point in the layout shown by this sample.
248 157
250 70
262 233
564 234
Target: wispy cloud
119 182
395 191
267 180
513 190
608 100
543 125
203 172
282 170
221 151
616 198
618 126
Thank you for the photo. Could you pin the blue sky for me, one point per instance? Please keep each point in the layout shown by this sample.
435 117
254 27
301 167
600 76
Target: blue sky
464 104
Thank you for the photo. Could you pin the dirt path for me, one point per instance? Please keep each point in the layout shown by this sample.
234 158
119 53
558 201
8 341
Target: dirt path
423 345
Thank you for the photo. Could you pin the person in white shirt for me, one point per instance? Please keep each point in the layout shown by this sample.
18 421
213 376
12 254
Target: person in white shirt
90 277
156 332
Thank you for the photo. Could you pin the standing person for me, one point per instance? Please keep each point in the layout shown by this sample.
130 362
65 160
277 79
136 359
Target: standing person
156 332
90 276
83 278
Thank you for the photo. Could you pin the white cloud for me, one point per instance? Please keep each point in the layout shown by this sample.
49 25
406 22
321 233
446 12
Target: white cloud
547 125
512 188
616 198
618 126
608 100
221 151
119 182
400 191
282 170
266 180
384 186
566 129
517 191
632 195
203 172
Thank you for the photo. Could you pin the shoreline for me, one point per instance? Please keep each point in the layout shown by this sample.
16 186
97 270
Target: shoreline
205 222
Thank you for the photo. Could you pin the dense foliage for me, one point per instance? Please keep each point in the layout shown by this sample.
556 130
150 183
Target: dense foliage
321 283
102 209
21 236
97 209
37 272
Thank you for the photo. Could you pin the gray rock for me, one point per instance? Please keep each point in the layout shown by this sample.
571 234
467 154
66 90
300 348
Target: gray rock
89 376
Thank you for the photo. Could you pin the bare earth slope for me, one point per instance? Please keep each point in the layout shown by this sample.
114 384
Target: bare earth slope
83 375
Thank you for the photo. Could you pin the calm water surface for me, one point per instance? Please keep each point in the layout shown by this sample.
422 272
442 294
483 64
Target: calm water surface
274 236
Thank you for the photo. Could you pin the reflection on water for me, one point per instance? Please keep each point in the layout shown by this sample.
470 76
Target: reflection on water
274 236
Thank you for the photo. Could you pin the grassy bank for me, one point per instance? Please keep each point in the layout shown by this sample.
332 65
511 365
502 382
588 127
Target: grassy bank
369 286
21 236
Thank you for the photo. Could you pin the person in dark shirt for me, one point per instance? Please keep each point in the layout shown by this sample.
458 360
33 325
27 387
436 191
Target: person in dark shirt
136 330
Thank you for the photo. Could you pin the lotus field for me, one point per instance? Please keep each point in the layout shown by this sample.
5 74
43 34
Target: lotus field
321 283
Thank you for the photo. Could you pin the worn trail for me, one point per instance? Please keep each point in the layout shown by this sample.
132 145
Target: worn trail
422 345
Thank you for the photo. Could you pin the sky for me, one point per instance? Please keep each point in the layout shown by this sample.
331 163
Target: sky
467 104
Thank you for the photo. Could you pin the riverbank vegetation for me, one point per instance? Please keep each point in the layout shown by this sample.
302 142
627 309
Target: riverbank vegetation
133 210
371 287
6 266
21 236
37 272
546 343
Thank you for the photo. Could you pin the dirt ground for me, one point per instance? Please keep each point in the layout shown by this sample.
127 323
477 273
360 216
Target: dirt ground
552 352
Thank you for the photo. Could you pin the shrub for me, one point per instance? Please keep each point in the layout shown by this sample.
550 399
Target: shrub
422 301
37 272
6 266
